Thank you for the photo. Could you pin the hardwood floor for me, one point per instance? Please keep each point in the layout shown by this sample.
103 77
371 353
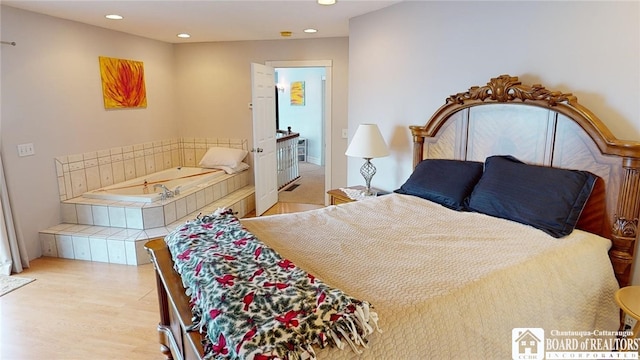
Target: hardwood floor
285 208
86 310
81 310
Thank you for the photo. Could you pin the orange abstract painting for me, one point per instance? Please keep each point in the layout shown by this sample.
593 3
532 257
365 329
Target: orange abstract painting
122 83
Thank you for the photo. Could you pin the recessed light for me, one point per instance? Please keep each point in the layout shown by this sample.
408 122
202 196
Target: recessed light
285 33
183 36
114 17
310 31
326 2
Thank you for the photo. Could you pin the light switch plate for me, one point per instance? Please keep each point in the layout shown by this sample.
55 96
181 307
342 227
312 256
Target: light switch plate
26 149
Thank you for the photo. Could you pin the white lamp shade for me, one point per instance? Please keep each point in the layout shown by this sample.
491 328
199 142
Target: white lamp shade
367 143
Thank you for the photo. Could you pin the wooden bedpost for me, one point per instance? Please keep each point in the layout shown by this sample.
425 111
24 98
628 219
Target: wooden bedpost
418 144
164 327
625 222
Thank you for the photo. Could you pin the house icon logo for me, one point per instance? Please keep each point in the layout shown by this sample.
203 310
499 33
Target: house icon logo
527 344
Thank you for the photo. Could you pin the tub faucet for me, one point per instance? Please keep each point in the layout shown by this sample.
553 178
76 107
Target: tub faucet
166 193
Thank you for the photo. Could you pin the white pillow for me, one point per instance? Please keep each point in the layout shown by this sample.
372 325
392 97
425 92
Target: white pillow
222 156
232 170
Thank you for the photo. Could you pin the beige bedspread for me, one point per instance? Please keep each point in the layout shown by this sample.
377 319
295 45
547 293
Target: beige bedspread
447 284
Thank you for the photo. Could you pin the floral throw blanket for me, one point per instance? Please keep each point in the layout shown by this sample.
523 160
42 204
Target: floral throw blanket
254 304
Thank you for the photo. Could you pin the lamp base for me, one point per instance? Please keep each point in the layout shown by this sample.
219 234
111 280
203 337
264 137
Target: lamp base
367 171
369 193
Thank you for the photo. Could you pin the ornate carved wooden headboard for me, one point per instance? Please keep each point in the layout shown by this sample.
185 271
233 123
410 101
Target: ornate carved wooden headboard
542 127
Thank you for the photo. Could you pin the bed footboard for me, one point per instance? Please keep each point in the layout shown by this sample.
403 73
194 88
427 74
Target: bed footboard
175 314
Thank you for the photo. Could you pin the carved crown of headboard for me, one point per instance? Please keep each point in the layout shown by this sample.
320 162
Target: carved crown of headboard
508 88
622 157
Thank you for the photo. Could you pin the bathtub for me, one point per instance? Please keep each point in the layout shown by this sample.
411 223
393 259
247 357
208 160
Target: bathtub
142 189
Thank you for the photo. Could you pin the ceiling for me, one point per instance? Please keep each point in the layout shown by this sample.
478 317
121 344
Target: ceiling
210 20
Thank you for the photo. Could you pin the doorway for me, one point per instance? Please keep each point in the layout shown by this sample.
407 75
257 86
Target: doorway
312 120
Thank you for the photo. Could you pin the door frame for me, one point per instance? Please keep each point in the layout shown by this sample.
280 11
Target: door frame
326 116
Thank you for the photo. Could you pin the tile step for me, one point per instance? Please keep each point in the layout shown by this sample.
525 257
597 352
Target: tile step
126 246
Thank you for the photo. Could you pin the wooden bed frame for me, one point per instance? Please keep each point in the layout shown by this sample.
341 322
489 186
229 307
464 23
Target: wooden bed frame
547 134
551 128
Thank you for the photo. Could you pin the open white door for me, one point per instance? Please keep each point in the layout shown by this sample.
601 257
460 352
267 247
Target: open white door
264 136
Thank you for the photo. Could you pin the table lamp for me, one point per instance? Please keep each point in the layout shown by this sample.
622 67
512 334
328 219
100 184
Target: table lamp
367 143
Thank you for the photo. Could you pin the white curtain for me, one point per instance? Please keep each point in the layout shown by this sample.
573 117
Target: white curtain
13 254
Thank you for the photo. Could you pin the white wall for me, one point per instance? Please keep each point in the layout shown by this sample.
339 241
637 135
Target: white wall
406 59
307 119
52 97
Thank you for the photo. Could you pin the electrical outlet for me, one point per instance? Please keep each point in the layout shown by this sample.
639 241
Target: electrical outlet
629 322
26 149
345 133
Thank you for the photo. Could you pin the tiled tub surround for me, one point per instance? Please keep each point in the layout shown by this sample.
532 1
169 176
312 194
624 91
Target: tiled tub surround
115 231
145 188
143 216
126 245
80 173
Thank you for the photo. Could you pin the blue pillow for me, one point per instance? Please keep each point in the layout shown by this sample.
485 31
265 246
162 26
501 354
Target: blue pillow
446 182
550 199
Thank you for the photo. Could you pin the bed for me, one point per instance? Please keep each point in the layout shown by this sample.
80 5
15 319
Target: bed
458 268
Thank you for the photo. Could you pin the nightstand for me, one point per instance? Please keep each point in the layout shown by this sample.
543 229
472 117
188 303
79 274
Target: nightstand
628 299
336 196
